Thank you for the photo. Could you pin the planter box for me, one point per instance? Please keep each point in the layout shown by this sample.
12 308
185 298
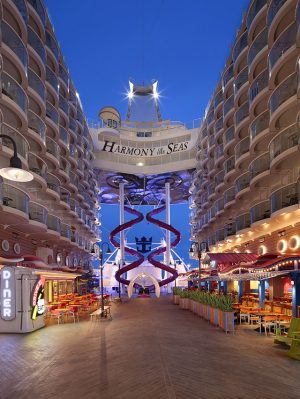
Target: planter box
193 306
176 299
184 303
214 317
206 312
226 321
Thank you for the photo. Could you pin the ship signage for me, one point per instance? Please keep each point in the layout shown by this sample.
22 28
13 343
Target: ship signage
7 294
120 149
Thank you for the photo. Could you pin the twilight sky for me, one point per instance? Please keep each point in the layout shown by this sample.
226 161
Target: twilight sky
183 44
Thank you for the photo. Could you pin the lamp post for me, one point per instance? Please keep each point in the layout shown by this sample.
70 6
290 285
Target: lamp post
15 172
175 267
199 247
108 251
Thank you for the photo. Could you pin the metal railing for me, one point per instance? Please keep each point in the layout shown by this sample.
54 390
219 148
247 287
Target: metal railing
285 140
38 213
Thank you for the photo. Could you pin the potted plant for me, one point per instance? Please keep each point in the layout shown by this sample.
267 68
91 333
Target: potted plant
184 300
214 304
176 295
226 314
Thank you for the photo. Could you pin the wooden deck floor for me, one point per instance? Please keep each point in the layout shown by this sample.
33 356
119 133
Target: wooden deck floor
150 350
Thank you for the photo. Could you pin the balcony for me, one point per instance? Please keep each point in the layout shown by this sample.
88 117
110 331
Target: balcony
12 197
256 6
38 213
74 236
211 189
220 235
286 90
51 113
242 182
21 142
36 124
204 133
228 75
242 113
51 78
211 241
212 213
73 152
240 80
219 152
260 212
210 117
219 178
66 231
64 136
39 8
259 165
259 43
285 140
243 222
259 84
219 125
63 74
229 196
52 147
53 223
240 45
219 205
53 183
285 197
229 135
228 105
74 205
229 230
36 84
13 41
241 148
284 42
74 179
21 6
52 45
37 165
64 165
72 98
218 98
80 117
274 7
36 43
229 165
73 125
260 124
65 196
63 104
12 89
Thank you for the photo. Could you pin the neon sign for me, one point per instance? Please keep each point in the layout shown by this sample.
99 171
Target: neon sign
7 294
38 301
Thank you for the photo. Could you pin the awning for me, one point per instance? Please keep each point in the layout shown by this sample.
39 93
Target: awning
232 258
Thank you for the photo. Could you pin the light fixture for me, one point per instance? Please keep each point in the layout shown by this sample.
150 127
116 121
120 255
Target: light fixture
15 172
140 164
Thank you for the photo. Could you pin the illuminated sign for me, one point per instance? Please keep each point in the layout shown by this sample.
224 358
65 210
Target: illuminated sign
38 301
147 152
7 294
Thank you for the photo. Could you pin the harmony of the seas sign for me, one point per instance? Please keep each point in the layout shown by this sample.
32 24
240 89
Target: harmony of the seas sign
115 148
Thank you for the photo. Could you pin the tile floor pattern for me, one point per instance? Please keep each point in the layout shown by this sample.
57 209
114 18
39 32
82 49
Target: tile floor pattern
150 350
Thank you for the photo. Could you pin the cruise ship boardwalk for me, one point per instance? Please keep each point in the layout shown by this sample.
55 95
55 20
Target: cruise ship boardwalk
150 350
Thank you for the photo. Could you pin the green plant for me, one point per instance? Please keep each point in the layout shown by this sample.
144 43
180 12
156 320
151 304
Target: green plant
176 291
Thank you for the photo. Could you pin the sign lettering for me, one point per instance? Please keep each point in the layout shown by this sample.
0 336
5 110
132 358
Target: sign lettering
7 294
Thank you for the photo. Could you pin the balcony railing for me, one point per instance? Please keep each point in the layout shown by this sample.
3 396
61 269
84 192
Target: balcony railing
36 84
229 135
256 6
219 125
37 165
211 188
259 165
74 179
80 116
52 113
229 165
64 136
13 41
242 113
21 6
14 198
39 8
219 178
212 240
52 147
259 84
212 212
74 236
286 90
36 43
38 213
229 195
285 197
53 183
22 144
219 205
220 235
219 152
273 9
218 98
242 148
63 104
285 140
73 151
36 124
204 133
73 125
51 43
242 182
228 75
12 89
284 42
52 78
260 211
259 124
229 230
210 117
240 45
53 223
72 98
259 43
242 222
74 205
66 231
65 196
240 80
228 105
63 74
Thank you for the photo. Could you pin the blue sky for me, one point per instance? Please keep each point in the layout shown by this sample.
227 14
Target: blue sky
183 44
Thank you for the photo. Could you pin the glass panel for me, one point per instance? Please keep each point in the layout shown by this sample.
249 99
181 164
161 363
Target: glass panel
38 6
38 213
243 222
63 104
13 41
36 84
273 9
63 74
242 113
260 83
22 144
64 136
242 182
52 147
52 113
288 138
228 105
240 45
242 147
21 6
228 75
240 80
218 98
53 223
259 43
14 91
14 198
51 43
229 164
285 197
256 6
229 195
260 212
36 124
259 165
283 92
37 165
285 41
229 135
52 78
260 124
35 42
53 183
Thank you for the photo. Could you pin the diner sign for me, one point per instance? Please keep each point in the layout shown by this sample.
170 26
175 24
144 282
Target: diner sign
38 301
120 149
8 294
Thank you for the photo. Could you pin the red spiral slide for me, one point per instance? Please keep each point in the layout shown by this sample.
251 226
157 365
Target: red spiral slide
133 252
161 250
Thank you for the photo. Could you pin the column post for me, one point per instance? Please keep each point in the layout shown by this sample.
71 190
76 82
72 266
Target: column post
261 291
122 220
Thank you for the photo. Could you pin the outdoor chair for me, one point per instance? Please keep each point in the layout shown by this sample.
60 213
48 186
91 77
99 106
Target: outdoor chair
293 332
267 323
294 350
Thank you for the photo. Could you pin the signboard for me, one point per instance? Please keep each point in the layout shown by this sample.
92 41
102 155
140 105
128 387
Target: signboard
38 300
119 149
8 293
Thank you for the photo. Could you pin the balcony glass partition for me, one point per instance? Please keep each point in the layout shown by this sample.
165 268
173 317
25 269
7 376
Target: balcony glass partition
210 117
256 6
219 125
66 230
39 8
63 104
259 165
285 197
218 98
286 90
219 205
219 178
228 75
284 42
229 229
63 74
285 140
36 43
273 9
259 43
53 223
260 211
260 83
229 135
220 235
36 124
229 164
53 183
52 113
242 113
229 195
22 144
37 165
52 147
51 43
13 41
240 80
64 136
12 89
64 165
38 213
21 6
242 147
219 151
52 78
259 124
35 82
242 222
14 198
242 182
73 125
228 105
240 45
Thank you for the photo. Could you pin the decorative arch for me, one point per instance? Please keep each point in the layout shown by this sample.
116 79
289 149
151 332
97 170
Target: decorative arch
156 285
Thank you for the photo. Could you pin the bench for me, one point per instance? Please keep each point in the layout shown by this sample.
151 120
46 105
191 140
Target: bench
293 332
101 313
